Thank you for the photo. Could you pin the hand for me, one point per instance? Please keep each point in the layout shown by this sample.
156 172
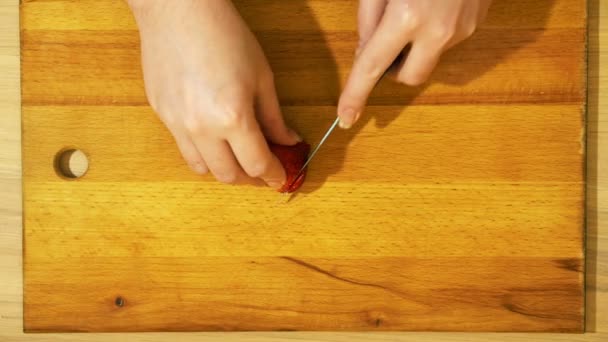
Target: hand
386 27
210 83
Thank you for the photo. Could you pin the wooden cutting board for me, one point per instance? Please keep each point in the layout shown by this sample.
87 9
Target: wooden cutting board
453 206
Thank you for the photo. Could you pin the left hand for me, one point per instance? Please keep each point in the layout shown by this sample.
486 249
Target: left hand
386 27
208 79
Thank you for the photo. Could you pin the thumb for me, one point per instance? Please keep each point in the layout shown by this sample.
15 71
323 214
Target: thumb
379 53
268 113
353 98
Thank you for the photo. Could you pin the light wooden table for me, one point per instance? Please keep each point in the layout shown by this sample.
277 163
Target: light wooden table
10 213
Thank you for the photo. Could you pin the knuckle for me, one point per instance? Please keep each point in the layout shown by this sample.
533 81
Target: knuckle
198 167
443 34
259 169
411 20
403 15
193 124
227 177
232 109
370 70
231 117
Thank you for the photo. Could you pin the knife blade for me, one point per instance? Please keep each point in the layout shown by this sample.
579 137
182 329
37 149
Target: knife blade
315 150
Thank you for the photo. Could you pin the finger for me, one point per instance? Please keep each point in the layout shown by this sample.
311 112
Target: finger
370 13
394 32
469 19
252 152
221 161
191 155
419 65
268 112
189 151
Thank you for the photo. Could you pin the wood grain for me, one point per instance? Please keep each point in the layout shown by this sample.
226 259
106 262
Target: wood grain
461 211
288 293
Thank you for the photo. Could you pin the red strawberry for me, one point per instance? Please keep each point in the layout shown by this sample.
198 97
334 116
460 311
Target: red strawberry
292 158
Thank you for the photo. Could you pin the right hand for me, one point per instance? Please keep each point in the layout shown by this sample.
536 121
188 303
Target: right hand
210 83
386 27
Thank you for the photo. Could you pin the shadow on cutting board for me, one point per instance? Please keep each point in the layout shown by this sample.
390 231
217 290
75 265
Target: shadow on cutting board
303 58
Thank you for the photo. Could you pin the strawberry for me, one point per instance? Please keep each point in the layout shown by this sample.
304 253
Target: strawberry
292 158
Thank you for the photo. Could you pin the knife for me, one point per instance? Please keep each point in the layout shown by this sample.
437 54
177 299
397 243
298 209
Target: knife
395 63
314 152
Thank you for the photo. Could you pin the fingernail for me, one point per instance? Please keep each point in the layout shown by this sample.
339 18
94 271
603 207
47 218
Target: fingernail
347 118
344 125
295 135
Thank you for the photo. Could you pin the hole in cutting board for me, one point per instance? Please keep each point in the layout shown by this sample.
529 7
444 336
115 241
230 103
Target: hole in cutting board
71 163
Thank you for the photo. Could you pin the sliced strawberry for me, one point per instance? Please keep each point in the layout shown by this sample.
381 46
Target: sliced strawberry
292 158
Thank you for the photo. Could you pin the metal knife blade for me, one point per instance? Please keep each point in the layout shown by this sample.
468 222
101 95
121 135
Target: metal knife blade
316 149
